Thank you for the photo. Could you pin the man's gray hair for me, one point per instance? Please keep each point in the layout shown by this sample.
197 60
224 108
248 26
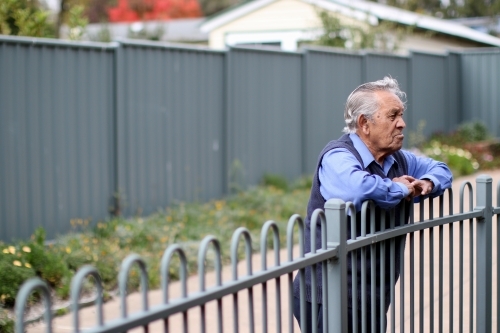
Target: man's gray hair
363 101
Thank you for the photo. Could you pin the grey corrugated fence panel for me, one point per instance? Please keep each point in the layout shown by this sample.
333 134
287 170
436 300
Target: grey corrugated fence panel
428 102
170 125
263 115
184 115
329 78
480 82
380 65
56 134
455 95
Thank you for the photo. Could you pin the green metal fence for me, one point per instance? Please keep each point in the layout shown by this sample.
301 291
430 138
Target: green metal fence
440 289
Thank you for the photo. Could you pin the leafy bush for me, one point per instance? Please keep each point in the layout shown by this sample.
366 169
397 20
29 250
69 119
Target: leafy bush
466 150
465 133
473 132
23 260
13 272
277 181
6 323
459 160
48 263
303 183
24 18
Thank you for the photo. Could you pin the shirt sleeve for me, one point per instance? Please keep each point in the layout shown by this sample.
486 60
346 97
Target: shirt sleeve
342 176
422 167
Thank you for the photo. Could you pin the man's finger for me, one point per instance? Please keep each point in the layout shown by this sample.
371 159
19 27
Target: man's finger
408 178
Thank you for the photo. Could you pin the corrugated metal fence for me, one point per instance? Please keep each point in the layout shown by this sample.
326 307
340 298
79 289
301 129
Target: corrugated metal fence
86 125
56 134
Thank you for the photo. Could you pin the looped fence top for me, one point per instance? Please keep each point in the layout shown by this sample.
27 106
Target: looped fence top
76 288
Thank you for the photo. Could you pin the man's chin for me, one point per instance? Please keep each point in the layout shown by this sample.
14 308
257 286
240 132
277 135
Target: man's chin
398 144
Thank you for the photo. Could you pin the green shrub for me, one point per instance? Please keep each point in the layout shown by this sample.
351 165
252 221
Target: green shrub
465 133
274 180
28 259
303 183
48 262
14 270
106 229
6 323
459 160
473 139
473 132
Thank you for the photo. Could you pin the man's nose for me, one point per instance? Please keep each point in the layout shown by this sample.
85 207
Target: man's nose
401 123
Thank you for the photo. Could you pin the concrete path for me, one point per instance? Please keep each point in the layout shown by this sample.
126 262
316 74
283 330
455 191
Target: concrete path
112 308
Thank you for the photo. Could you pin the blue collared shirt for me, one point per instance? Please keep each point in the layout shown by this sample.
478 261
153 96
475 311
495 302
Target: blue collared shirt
343 177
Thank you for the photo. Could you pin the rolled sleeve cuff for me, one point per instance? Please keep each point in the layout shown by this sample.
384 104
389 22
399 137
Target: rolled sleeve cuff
437 184
404 189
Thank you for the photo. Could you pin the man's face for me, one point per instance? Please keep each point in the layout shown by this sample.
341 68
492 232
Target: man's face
385 133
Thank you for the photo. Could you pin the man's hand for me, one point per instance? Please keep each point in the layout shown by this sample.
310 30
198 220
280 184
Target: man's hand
423 186
415 187
408 181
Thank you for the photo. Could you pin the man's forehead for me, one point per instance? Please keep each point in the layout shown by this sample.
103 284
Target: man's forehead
389 101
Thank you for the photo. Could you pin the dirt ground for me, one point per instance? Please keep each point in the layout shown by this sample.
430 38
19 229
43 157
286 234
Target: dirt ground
88 316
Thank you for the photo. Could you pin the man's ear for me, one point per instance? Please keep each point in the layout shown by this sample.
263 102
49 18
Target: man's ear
363 125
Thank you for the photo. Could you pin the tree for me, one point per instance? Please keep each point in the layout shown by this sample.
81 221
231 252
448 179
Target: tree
475 8
29 18
430 7
146 10
210 7
73 14
96 11
77 22
385 36
24 18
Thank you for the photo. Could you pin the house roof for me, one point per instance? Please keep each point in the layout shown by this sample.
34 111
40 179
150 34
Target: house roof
483 23
362 10
186 29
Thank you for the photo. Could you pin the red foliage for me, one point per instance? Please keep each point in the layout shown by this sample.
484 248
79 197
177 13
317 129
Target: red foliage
147 10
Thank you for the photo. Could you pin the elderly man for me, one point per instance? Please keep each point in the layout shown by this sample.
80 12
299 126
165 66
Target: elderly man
367 163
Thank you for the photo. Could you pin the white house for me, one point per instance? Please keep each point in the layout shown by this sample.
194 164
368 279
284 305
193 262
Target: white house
287 23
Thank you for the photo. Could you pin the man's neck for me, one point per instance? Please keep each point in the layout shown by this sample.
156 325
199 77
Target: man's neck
378 156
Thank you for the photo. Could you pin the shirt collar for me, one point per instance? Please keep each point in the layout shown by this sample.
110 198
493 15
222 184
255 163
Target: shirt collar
367 156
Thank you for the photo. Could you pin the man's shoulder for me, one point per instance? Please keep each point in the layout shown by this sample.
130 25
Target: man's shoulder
343 142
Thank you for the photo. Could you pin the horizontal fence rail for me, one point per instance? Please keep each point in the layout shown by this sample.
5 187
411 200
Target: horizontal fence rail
439 275
92 130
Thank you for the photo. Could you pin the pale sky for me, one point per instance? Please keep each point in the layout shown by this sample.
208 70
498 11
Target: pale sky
52 4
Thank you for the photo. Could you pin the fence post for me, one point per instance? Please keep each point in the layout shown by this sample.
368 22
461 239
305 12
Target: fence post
484 254
336 267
